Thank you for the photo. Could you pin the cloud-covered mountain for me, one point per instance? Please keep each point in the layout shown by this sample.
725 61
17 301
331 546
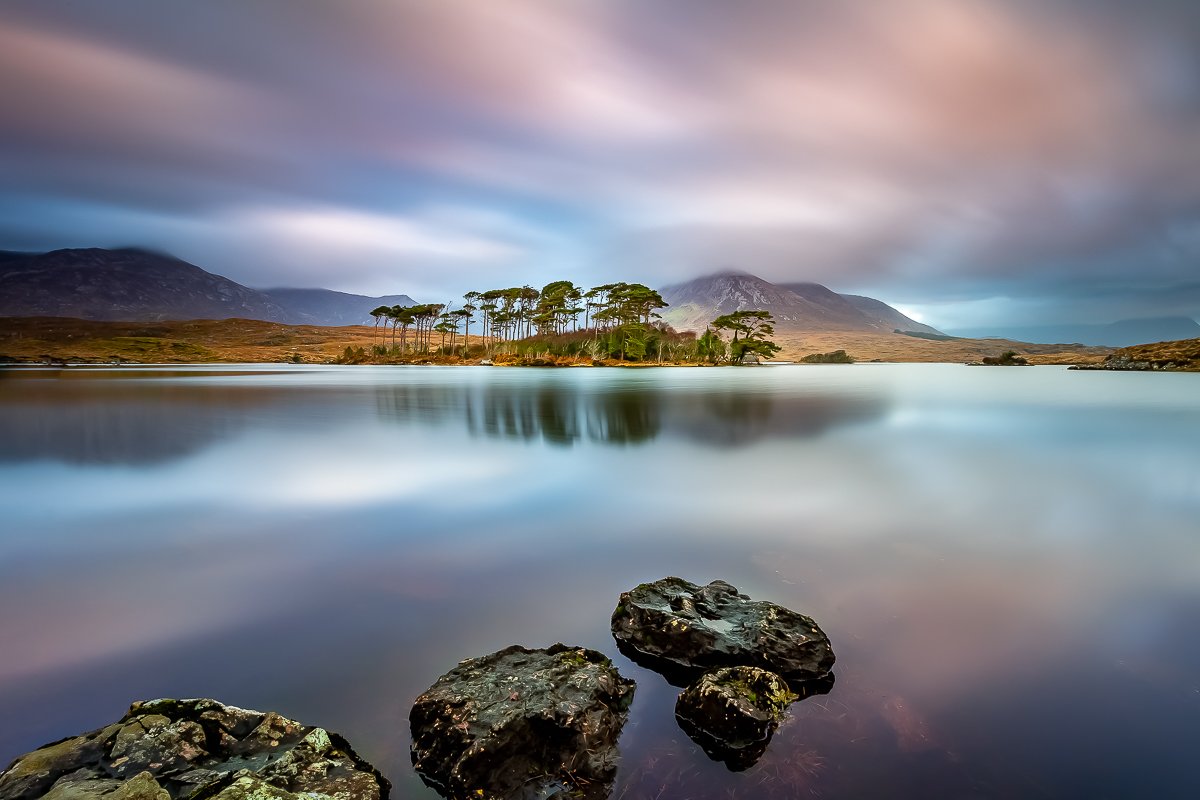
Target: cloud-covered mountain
138 285
795 306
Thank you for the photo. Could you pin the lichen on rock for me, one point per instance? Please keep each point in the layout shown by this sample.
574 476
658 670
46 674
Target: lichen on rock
521 724
732 712
195 750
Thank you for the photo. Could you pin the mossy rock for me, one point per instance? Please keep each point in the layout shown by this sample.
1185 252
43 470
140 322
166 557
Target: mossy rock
681 630
195 750
521 724
732 712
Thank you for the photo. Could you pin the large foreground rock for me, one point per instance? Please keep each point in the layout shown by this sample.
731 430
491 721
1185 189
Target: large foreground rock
672 624
522 723
196 750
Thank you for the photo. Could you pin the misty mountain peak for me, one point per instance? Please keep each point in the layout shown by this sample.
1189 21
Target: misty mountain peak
798 306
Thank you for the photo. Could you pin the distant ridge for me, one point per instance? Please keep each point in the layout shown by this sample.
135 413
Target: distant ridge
137 285
883 314
795 306
1122 333
334 308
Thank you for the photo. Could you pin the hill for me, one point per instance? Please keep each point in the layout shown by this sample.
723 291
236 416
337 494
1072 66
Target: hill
1183 355
327 307
123 285
795 306
1122 333
141 286
891 319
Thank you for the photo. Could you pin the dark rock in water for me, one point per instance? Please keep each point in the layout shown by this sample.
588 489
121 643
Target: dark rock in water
524 724
682 629
732 712
1007 359
196 750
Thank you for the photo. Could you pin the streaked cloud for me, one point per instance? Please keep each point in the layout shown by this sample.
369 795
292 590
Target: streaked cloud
927 151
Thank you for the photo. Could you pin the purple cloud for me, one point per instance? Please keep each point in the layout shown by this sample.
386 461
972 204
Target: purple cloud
929 150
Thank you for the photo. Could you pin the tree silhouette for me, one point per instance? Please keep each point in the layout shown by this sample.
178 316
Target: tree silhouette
379 313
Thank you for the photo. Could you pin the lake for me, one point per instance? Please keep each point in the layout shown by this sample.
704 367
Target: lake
1007 561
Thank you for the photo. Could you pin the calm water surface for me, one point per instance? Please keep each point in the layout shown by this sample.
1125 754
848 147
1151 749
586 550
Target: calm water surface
1006 560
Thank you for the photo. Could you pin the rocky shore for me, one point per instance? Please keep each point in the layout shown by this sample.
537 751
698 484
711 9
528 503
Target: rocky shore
1179 356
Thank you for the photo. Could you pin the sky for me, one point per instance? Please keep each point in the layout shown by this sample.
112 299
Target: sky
972 161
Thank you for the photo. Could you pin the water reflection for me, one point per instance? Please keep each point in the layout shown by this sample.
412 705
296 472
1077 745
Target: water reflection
990 551
565 414
109 418
94 424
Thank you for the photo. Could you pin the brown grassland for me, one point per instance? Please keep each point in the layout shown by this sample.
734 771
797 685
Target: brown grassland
1182 355
40 339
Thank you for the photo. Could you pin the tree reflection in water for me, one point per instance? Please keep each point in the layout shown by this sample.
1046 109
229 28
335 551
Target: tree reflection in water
565 414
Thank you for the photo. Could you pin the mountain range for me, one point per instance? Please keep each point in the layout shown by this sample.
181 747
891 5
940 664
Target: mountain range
142 286
1122 333
137 285
795 306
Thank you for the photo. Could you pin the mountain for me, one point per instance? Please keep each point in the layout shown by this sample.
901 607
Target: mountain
142 286
795 306
123 285
328 307
1122 333
883 314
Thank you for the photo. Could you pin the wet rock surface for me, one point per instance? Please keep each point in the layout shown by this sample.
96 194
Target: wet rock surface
195 750
732 712
522 724
681 630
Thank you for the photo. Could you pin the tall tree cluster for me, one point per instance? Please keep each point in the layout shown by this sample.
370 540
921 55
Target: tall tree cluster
619 320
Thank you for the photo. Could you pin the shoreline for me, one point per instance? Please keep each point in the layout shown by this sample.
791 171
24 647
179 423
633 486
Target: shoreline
55 340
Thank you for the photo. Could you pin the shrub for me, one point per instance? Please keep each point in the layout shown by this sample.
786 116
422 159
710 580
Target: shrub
836 357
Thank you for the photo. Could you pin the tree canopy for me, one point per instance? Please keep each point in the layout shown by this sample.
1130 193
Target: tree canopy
620 321
753 328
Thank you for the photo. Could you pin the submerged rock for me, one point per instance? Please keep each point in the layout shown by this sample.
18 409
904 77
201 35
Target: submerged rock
522 723
732 712
681 630
196 750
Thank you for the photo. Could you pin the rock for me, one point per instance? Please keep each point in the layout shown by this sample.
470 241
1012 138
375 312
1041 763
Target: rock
140 787
732 712
522 724
682 630
195 749
1007 359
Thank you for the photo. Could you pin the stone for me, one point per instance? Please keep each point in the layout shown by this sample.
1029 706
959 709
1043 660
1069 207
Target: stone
521 724
732 712
1007 359
195 750
34 773
80 787
682 630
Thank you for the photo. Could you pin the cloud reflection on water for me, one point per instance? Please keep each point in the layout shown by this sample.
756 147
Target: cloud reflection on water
969 540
